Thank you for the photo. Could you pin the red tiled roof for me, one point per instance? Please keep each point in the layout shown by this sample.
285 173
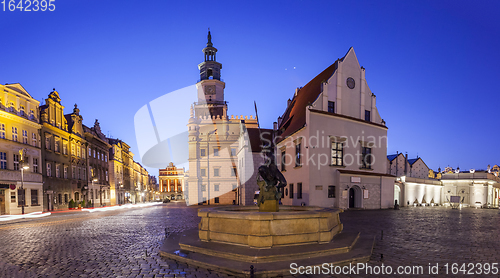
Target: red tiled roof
294 117
255 138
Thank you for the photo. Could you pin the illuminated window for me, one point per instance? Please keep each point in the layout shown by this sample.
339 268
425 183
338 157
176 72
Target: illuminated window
57 147
83 152
65 172
73 149
78 152
337 153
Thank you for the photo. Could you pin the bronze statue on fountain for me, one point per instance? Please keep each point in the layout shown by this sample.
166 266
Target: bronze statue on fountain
270 181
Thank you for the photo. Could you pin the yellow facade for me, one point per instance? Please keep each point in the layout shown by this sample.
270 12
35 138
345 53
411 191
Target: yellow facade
19 129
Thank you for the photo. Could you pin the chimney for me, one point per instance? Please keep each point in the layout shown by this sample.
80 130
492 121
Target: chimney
406 164
275 126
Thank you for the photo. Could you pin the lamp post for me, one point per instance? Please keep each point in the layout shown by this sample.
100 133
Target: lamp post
208 164
24 166
94 179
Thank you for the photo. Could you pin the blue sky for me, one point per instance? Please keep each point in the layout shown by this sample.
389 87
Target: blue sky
433 65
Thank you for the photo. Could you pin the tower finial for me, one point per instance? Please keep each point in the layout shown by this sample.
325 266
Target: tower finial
209 43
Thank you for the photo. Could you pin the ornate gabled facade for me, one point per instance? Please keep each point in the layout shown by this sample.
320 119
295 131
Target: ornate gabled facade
213 138
332 142
64 154
100 190
121 171
19 129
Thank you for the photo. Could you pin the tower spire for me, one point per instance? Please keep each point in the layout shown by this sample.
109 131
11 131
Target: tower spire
209 37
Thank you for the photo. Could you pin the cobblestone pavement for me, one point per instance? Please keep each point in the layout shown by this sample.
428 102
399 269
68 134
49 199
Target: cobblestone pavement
125 243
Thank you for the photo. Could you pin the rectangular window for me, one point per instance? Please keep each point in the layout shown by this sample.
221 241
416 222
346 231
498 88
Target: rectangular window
366 158
73 149
216 200
331 191
331 106
216 172
105 158
33 139
49 170
65 148
3 160
291 191
78 151
83 152
58 171
106 175
14 134
367 115
298 157
233 171
216 151
59 198
85 174
90 152
21 197
94 153
73 172
98 155
34 197
12 196
35 165
65 172
57 146
299 190
233 152
337 153
216 187
203 187
66 198
204 200
283 160
47 143
2 131
203 172
202 152
25 136
16 161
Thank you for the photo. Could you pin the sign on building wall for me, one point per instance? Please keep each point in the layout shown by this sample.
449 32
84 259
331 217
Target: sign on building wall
365 193
344 194
355 179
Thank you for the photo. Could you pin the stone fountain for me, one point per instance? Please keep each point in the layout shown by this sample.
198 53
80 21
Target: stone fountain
263 241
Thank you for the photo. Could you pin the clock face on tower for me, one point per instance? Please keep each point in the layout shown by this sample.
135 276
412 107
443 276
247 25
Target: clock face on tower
210 90
350 83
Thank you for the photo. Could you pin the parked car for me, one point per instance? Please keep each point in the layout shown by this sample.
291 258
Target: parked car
166 201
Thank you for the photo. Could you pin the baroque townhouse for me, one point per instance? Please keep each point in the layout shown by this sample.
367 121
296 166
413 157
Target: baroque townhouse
19 129
99 191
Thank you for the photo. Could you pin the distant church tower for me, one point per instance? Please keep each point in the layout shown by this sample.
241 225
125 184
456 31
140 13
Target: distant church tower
213 138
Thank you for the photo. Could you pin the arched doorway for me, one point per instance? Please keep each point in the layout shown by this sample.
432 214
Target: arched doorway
397 194
352 194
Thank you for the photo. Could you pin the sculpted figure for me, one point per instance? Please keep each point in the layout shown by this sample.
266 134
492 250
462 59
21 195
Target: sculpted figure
270 180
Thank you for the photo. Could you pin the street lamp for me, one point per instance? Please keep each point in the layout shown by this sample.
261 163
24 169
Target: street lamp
94 179
208 165
24 166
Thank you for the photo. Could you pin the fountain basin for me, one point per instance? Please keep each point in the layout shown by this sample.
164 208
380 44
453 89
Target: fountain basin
247 226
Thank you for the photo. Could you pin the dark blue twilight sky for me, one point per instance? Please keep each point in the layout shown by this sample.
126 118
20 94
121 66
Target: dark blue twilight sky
434 65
